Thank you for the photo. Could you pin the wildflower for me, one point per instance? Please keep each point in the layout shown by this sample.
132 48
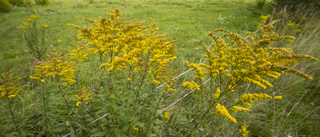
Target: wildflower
59 41
55 65
128 79
8 84
246 99
277 97
217 94
82 96
135 128
45 26
35 17
155 82
166 114
29 20
224 112
21 27
244 130
237 108
191 85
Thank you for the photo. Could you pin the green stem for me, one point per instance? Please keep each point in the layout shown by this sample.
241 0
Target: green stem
67 104
152 116
12 116
44 107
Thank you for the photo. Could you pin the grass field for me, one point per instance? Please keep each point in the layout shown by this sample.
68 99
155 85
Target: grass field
188 22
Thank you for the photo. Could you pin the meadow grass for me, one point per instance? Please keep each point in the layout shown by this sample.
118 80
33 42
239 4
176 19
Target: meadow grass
186 21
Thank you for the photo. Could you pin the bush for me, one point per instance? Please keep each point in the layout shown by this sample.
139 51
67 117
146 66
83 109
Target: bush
18 3
306 7
5 6
42 2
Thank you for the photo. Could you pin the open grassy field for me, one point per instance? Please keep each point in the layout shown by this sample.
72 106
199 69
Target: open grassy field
186 21
40 110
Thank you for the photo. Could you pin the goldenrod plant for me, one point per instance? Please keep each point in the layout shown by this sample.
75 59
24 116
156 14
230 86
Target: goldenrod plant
9 91
58 69
35 42
119 77
142 58
242 61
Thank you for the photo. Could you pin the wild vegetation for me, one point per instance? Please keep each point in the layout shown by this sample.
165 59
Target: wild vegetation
117 73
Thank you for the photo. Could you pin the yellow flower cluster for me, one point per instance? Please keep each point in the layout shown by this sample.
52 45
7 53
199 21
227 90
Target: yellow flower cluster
8 84
29 20
128 44
217 93
191 85
224 112
238 108
277 97
166 114
82 96
198 70
80 52
251 62
241 61
264 20
246 99
134 127
244 130
56 65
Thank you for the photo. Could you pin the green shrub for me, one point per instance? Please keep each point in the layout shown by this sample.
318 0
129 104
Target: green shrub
306 7
17 2
42 2
5 6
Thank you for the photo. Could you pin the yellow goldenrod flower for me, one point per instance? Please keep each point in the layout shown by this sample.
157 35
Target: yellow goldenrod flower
155 82
135 128
55 65
35 17
166 114
277 97
45 26
21 27
129 46
246 99
8 83
244 130
238 108
29 20
128 79
59 41
224 112
217 93
82 96
42 80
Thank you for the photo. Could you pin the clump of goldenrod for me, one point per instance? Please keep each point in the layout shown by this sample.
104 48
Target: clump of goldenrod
135 52
59 68
82 96
129 45
241 61
9 90
34 36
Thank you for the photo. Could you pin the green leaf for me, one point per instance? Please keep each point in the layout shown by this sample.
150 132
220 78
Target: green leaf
99 134
71 132
81 126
